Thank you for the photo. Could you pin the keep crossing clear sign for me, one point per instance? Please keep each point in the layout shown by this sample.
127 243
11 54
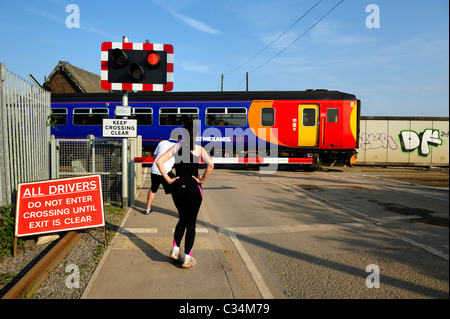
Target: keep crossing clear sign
119 128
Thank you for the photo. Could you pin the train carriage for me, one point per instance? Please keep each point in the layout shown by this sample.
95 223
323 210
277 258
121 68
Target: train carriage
290 125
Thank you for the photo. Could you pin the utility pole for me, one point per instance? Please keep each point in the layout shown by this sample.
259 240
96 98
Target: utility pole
221 84
246 80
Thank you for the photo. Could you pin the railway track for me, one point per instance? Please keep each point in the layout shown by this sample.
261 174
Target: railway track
36 276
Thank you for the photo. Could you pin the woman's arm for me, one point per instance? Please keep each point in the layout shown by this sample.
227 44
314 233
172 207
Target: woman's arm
209 167
164 158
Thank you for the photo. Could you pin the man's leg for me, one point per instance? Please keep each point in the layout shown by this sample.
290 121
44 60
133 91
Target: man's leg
150 197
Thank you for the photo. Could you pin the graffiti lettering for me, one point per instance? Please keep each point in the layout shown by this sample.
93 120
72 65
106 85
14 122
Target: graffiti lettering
410 141
373 141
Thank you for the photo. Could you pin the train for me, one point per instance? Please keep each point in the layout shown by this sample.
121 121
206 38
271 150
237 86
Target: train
320 125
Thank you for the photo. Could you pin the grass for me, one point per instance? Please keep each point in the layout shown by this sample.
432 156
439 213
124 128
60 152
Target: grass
7 225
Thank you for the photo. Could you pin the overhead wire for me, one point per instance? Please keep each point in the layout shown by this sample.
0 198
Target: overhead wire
240 84
268 45
317 22
298 38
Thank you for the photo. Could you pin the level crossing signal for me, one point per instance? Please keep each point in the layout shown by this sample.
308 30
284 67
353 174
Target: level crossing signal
136 66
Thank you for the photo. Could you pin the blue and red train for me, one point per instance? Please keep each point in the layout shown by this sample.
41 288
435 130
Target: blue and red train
308 124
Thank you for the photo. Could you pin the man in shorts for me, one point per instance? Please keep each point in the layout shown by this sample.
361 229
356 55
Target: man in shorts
156 177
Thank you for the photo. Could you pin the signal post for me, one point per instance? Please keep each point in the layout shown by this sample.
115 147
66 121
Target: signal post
129 66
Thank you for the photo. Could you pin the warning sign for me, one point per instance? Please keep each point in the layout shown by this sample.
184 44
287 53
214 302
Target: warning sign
119 128
59 205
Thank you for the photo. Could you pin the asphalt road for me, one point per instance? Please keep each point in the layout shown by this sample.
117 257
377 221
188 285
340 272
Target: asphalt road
333 233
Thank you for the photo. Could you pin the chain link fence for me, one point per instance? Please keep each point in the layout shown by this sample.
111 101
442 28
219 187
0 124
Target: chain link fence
77 157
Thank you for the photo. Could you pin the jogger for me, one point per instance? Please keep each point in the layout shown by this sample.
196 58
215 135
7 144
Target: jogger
187 191
187 196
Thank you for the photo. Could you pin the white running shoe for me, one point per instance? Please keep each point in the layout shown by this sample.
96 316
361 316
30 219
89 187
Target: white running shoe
174 253
188 262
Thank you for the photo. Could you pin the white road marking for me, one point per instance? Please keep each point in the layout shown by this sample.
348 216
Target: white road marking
138 230
257 277
288 228
198 230
129 230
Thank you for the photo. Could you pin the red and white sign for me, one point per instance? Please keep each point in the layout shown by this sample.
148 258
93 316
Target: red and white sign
136 86
59 205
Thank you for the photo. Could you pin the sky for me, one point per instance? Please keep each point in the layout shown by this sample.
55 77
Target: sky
393 55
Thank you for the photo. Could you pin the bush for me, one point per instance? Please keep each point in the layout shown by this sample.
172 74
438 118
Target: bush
7 220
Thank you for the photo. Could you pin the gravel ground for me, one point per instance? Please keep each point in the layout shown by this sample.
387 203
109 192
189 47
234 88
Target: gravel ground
85 257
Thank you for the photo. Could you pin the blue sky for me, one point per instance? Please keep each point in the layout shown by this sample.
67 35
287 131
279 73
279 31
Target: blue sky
398 69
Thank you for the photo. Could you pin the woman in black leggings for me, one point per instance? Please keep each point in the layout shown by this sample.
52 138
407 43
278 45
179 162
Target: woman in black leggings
187 191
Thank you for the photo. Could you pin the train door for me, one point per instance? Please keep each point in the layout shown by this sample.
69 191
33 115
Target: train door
308 128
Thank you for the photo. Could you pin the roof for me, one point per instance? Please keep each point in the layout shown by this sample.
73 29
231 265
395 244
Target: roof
211 96
84 81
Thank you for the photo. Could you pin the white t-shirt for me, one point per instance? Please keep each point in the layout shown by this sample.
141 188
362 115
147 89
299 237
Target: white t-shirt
163 147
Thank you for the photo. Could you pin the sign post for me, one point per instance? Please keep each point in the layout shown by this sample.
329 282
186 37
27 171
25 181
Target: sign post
125 129
125 151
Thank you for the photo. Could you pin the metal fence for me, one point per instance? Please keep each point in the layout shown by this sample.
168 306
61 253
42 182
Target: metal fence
76 157
24 133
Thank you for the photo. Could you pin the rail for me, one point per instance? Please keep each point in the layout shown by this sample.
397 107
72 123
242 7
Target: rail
36 276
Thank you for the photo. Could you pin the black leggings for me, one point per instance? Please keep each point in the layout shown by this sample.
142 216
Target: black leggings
187 199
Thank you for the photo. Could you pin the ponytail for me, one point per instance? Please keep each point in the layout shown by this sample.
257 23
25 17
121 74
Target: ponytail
188 143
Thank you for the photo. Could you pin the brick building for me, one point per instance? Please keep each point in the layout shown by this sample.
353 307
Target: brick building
66 78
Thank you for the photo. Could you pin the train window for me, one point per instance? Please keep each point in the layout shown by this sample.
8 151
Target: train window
236 116
309 117
82 116
268 116
332 115
188 111
168 111
143 115
176 116
58 117
99 111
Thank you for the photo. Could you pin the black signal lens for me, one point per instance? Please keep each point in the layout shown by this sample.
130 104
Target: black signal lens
136 71
119 57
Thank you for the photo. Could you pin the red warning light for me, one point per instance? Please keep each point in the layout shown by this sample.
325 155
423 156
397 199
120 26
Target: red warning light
153 58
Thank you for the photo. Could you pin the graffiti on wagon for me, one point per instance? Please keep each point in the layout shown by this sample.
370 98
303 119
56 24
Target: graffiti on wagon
411 140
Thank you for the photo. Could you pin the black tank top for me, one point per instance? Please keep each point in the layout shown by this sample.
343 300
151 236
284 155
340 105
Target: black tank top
186 165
